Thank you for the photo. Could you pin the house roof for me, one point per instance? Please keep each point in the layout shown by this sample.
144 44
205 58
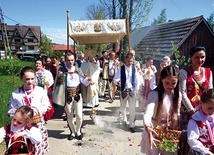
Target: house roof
159 37
23 30
138 34
61 47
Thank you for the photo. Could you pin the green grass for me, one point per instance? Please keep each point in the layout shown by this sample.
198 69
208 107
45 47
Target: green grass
8 85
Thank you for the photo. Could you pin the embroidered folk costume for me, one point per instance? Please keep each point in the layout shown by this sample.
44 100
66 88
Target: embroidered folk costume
42 76
128 77
13 145
166 116
37 99
148 72
201 132
192 84
196 83
67 94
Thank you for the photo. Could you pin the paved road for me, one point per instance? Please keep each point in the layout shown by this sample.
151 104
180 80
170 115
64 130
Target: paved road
107 137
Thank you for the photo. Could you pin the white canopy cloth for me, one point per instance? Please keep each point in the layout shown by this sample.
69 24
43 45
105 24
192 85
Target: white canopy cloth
97 31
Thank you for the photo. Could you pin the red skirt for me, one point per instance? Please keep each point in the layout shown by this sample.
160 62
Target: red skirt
49 114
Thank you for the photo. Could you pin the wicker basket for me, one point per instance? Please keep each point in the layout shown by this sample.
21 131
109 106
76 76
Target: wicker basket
169 139
24 143
164 131
37 117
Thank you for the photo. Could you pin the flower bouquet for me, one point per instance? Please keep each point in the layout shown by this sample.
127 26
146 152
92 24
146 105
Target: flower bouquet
169 139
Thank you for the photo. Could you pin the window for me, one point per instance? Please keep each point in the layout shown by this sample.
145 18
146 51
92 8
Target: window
1 38
10 33
17 40
30 33
30 40
17 47
16 33
31 47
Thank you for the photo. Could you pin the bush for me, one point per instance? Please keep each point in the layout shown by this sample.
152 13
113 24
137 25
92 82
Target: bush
9 81
13 67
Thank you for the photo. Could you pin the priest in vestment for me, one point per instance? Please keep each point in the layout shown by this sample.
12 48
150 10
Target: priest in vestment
90 93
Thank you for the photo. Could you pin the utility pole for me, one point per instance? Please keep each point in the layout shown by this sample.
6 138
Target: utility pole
4 35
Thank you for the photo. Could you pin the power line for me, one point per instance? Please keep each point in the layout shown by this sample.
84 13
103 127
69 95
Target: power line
29 27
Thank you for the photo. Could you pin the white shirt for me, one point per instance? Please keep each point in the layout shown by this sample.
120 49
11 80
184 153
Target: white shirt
152 103
39 100
128 72
33 134
153 84
74 79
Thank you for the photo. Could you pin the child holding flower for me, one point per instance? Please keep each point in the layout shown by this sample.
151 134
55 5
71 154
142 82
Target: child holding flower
200 129
162 110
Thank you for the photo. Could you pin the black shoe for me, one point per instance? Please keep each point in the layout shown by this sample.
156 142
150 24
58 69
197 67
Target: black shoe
133 130
111 101
64 118
79 137
70 137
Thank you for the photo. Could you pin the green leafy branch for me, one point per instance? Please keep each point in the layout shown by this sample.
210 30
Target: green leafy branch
179 60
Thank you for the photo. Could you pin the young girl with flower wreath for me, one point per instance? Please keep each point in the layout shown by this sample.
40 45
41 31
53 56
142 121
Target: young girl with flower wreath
34 97
200 129
20 135
162 110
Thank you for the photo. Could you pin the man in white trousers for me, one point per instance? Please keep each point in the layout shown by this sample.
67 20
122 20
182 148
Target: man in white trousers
127 77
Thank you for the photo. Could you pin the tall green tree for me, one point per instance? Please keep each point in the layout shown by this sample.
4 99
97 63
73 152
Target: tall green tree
45 45
161 18
210 20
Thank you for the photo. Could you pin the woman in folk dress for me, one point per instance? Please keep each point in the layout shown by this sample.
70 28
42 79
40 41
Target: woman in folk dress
34 97
162 110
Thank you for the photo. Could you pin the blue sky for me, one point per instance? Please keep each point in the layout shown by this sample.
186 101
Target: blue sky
51 14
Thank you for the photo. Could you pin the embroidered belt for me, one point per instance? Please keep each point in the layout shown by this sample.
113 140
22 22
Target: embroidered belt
126 92
73 93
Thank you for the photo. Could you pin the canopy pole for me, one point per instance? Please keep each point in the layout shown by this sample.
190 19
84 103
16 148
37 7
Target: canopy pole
128 31
67 31
74 47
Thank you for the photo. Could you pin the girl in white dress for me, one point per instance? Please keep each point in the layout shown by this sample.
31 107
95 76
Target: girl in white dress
34 97
162 108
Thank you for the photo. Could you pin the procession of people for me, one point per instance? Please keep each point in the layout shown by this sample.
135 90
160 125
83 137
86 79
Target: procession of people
181 100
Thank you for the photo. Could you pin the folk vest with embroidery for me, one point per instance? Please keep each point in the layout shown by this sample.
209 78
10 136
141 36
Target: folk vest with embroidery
123 77
193 90
204 137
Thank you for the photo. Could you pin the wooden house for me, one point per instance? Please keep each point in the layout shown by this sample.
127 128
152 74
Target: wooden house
156 40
